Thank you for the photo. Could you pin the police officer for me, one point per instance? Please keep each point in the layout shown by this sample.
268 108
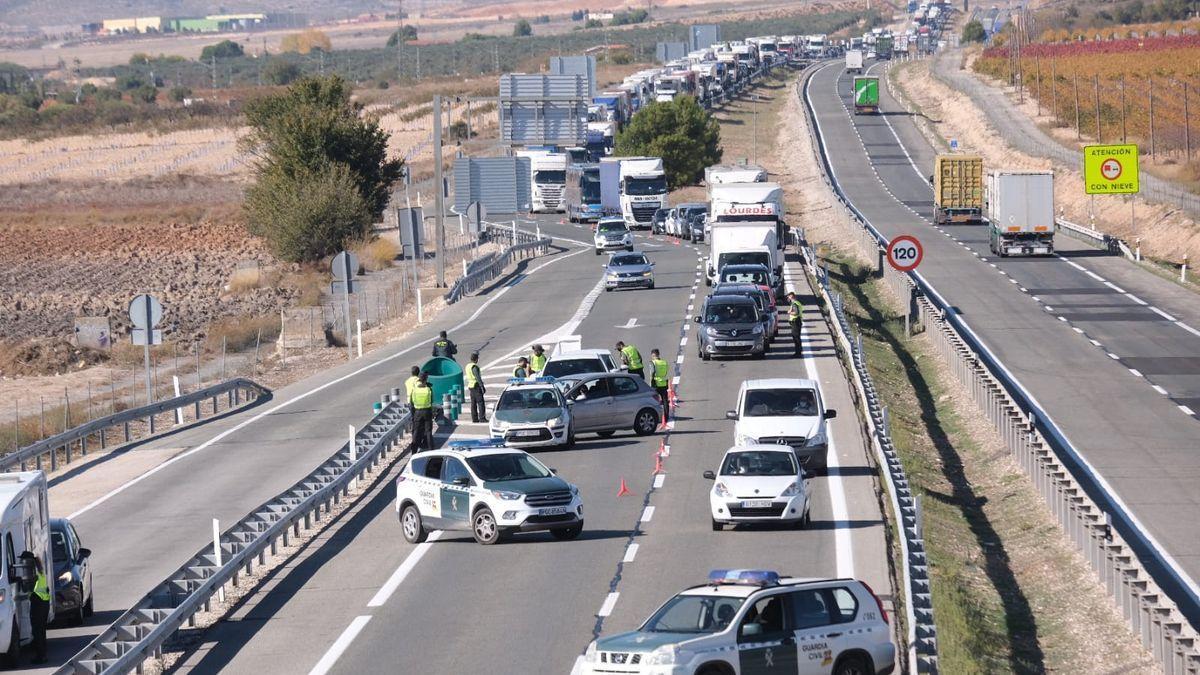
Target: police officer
522 369
632 359
795 320
537 360
659 379
475 386
444 347
422 407
39 607
414 374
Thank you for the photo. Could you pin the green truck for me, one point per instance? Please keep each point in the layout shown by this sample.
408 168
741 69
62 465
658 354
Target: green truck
883 47
866 94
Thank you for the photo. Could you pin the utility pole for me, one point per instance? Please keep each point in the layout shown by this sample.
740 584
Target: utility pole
400 41
1151 85
439 237
1096 83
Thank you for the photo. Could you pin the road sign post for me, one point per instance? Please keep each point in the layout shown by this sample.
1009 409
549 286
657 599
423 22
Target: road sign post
1112 170
145 311
904 253
344 267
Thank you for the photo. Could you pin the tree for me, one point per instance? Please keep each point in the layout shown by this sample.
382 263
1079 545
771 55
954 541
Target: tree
280 72
145 94
630 17
973 32
522 28
593 23
225 49
130 82
306 41
681 132
313 133
407 33
178 93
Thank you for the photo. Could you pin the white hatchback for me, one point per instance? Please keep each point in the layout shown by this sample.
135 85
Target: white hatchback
758 484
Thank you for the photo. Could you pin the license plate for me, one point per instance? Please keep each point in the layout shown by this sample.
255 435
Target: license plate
527 433
734 343
756 504
552 511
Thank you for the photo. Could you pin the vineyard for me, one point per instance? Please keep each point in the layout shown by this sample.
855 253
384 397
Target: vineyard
1135 89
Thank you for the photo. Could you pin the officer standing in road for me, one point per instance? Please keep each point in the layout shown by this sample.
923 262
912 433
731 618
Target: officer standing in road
795 320
444 347
659 380
475 386
632 359
537 360
522 369
414 374
39 608
422 407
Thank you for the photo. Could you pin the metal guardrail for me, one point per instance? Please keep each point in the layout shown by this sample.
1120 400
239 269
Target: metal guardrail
140 633
1134 571
64 444
521 245
1107 242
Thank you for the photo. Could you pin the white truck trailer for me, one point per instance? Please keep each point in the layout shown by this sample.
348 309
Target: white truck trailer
854 60
1020 212
24 526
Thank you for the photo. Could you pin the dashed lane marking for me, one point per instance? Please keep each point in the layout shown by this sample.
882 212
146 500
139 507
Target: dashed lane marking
609 602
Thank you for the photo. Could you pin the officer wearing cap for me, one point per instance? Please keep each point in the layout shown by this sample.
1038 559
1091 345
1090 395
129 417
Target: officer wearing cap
444 347
475 386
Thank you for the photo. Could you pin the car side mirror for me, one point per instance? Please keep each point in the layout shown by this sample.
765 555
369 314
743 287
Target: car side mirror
85 553
731 414
830 414
553 471
461 480
710 475
696 319
751 629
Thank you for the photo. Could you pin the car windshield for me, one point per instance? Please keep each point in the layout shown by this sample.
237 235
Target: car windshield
780 403
759 463
528 399
612 228
660 215
58 545
507 466
645 186
563 367
744 275
699 614
730 313
589 187
550 177
629 260
744 258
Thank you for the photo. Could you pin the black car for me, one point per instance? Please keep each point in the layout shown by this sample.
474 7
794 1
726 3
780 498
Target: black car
72 573
658 224
698 225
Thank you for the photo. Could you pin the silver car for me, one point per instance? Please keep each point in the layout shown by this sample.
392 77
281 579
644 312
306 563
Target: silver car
606 403
628 270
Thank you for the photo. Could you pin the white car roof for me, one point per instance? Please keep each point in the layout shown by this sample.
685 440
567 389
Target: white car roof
480 452
581 354
780 383
746 590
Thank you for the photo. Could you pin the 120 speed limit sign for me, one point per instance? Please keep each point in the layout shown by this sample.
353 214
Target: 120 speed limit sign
904 253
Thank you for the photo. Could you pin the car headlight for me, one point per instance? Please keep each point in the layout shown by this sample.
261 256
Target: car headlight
556 422
591 654
816 440
667 655
65 577
757 330
506 495
721 490
791 490
499 424
646 274
711 332
574 489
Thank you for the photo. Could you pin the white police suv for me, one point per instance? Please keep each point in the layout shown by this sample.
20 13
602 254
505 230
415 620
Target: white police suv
488 489
751 622
532 413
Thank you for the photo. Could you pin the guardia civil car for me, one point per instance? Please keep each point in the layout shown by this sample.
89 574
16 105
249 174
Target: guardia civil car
747 622
485 488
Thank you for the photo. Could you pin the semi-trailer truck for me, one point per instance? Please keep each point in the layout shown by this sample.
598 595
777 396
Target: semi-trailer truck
866 94
643 185
583 193
957 189
1020 212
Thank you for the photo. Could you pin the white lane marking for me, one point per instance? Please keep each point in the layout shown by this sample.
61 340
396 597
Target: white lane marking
683 341
632 323
1095 276
1188 328
1024 290
1075 265
659 480
1187 410
679 359
647 514
690 308
299 397
1159 389
406 566
1161 313
609 603
691 297
1094 342
1049 308
630 553
1114 287
1113 356
1136 299
1063 319
1077 329
1135 372
340 645
675 381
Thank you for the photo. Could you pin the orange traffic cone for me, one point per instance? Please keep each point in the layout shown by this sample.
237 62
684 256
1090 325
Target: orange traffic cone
671 397
664 450
624 489
658 467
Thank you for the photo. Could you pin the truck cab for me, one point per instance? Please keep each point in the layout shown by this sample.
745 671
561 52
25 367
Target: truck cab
548 178
643 190
582 196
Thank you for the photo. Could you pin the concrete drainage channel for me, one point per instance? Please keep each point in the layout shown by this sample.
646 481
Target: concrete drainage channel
1091 517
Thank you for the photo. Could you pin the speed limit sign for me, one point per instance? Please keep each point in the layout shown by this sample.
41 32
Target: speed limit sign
904 253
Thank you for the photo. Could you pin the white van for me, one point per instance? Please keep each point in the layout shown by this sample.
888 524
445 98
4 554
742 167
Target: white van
24 526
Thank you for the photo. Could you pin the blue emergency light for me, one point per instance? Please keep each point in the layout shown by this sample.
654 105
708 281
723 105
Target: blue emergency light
544 379
744 577
478 444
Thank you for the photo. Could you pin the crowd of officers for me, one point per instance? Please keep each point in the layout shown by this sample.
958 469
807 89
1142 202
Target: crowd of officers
419 392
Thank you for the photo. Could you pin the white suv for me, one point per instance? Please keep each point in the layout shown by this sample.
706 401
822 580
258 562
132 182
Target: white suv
754 621
612 235
787 412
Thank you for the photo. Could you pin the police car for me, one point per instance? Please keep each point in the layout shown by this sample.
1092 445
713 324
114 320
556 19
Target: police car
488 489
754 621
532 413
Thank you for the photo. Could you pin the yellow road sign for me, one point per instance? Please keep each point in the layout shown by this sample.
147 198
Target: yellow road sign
1110 169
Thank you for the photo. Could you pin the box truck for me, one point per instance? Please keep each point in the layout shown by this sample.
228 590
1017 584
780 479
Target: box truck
1020 212
643 186
24 526
957 189
866 94
744 243
610 186
547 179
854 60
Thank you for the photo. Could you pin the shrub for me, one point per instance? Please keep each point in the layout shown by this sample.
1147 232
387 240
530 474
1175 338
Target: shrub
681 132
108 94
281 72
309 214
145 94
306 41
130 82
407 33
177 94
225 49
458 131
973 32
377 254
242 332
522 28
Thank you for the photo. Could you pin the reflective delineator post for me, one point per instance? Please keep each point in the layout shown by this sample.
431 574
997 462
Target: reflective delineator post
217 555
358 328
353 456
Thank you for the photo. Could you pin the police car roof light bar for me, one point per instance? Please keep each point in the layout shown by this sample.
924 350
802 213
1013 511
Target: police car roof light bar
743 577
544 379
478 443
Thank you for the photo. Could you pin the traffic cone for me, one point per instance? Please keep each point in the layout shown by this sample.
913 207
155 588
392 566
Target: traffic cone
671 397
658 467
624 488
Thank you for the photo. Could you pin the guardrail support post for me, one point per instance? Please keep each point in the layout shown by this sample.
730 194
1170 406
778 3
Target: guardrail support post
217 554
353 458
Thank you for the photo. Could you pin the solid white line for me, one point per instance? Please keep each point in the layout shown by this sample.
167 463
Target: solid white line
647 514
1188 328
1135 372
1075 265
299 397
1161 313
1095 276
1159 389
630 553
1187 410
659 480
609 603
1136 299
389 587
1114 287
340 645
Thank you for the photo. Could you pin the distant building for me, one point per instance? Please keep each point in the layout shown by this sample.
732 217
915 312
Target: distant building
600 16
144 24
212 23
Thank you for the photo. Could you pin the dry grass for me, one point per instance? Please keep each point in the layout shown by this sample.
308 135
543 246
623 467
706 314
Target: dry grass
241 333
377 254
308 284
245 279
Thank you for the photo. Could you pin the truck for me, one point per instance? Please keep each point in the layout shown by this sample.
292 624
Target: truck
957 189
643 189
24 526
746 203
884 45
854 60
1020 212
744 242
547 179
724 174
866 94
582 194
610 186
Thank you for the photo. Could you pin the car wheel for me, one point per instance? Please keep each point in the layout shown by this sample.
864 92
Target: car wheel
12 658
77 616
651 286
605 434
570 442
705 356
852 664
717 527
484 527
762 354
707 281
646 422
567 533
410 525
629 248
597 251
607 289
89 608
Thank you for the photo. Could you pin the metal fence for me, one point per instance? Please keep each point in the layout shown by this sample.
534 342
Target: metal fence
140 633
521 244
1088 514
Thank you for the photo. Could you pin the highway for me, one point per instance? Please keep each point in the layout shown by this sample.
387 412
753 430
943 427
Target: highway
361 599
1108 350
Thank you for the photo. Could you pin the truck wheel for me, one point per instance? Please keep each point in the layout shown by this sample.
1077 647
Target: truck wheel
89 607
410 525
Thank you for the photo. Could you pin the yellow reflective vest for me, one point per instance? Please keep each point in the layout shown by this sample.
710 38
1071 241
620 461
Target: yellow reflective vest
660 373
632 356
537 362
422 397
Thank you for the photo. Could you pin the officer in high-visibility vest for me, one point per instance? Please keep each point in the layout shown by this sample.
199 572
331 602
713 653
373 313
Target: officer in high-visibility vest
413 375
537 360
660 379
795 320
475 386
522 369
422 407
632 359
444 347
39 607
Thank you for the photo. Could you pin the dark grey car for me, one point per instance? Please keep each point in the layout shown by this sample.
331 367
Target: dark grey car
730 325
72 573
606 403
